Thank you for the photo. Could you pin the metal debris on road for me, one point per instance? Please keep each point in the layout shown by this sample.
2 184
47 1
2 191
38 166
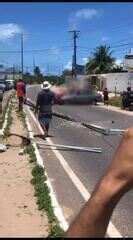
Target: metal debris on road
116 131
105 131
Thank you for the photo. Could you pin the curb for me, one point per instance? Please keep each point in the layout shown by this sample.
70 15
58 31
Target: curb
6 116
56 208
5 121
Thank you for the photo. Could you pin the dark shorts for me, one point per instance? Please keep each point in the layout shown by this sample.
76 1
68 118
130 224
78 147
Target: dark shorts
21 99
106 98
44 119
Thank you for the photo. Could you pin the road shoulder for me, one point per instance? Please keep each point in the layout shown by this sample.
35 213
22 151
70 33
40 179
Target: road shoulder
20 216
115 109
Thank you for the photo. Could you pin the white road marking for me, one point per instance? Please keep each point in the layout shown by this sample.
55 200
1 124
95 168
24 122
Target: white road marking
112 230
57 209
39 159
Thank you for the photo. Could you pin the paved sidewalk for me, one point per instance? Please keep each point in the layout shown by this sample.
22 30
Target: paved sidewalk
20 216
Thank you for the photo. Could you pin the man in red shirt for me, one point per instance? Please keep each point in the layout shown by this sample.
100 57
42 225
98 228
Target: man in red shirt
21 91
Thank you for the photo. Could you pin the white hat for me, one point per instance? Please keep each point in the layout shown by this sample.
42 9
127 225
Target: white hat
45 85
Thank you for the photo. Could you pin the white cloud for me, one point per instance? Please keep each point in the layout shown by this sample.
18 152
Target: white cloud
82 14
9 30
86 13
84 60
118 61
68 65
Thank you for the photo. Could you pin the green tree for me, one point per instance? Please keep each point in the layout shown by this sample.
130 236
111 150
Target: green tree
67 72
101 61
37 71
38 75
28 78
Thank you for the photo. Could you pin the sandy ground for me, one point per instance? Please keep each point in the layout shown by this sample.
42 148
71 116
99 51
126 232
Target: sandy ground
19 216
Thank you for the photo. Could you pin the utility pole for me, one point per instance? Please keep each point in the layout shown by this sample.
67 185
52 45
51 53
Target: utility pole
22 53
74 58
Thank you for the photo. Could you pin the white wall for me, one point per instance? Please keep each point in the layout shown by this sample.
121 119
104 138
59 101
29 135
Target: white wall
119 80
111 80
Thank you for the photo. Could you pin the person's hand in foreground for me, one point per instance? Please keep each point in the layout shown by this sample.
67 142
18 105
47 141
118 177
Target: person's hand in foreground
94 218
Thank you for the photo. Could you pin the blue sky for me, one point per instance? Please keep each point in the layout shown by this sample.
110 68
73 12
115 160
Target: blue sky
46 25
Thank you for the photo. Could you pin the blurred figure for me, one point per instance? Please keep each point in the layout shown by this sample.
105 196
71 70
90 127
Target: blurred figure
105 96
21 92
45 100
124 100
128 89
128 92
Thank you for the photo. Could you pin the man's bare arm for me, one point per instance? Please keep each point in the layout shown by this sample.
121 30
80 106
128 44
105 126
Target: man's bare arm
93 219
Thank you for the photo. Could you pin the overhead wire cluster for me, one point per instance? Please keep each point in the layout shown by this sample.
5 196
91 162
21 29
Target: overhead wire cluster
120 46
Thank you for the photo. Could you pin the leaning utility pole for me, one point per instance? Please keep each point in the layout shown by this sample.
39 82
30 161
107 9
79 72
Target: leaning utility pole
22 54
74 58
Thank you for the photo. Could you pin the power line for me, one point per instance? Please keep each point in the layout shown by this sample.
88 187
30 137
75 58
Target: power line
85 49
35 50
116 27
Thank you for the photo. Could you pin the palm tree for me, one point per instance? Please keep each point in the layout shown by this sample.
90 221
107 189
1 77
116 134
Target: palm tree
101 60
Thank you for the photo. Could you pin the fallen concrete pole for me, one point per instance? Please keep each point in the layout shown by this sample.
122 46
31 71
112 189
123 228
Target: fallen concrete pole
66 117
94 127
56 114
88 149
116 131
105 131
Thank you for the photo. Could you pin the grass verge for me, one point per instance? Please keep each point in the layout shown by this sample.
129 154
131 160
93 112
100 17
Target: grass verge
42 193
9 120
22 117
115 101
4 112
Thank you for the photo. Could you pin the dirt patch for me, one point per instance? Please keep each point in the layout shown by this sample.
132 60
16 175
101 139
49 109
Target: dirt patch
20 216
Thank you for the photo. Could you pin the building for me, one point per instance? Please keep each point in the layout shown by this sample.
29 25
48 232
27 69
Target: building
128 62
2 73
115 82
9 73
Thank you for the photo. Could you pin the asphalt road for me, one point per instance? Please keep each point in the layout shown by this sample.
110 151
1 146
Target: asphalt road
88 167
